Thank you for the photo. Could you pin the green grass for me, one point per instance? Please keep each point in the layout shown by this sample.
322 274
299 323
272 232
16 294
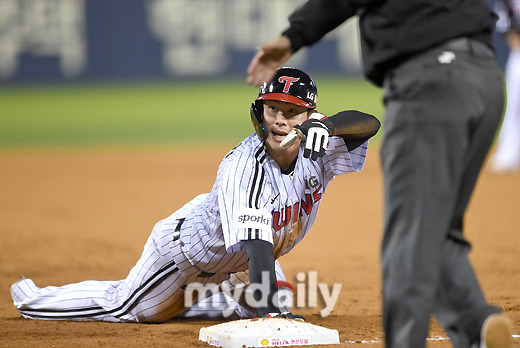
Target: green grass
151 114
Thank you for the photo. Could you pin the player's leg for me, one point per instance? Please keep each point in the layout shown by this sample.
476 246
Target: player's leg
55 303
228 299
216 302
212 307
96 300
152 291
507 155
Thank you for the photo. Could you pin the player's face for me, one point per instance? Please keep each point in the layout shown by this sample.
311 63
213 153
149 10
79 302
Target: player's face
280 118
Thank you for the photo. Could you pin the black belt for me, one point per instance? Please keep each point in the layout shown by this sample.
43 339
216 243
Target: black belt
464 44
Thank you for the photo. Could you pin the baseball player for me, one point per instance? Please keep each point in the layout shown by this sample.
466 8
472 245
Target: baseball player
264 201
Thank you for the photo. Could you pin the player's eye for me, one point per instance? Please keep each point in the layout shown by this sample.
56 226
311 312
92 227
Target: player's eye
294 112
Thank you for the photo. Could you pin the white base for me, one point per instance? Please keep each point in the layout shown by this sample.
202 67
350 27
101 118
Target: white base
267 332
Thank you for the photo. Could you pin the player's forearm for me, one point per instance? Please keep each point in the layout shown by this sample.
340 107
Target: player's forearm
352 124
261 260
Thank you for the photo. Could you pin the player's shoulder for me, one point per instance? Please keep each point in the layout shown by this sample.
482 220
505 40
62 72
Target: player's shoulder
243 160
247 152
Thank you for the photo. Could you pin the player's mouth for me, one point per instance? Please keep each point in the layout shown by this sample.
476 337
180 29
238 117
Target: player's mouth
278 135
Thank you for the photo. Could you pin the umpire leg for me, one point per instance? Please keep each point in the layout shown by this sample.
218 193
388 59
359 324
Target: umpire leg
460 305
432 113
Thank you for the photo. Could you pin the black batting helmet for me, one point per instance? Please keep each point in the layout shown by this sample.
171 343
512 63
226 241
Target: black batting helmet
289 85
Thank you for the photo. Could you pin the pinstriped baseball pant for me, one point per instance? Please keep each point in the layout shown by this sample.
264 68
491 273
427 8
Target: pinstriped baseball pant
152 291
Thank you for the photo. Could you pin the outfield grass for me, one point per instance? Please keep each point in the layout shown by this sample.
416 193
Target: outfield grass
151 114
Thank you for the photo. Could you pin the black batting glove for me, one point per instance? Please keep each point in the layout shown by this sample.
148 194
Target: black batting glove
284 315
317 133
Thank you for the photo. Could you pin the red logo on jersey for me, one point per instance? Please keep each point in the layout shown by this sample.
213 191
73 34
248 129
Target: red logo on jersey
288 82
284 217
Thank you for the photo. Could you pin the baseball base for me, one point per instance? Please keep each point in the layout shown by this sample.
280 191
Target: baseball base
267 332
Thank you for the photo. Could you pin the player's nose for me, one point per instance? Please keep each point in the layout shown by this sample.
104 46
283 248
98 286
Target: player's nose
280 118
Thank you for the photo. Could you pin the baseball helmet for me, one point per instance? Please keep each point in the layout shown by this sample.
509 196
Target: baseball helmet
288 85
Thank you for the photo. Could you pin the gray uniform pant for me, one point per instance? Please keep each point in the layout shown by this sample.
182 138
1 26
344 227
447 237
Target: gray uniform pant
443 108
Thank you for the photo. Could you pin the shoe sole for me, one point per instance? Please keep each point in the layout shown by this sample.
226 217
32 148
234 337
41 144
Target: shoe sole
497 331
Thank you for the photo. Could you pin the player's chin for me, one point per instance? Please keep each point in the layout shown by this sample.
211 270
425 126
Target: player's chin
275 142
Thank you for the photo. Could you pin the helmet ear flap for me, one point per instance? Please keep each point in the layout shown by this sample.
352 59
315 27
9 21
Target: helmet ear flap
257 119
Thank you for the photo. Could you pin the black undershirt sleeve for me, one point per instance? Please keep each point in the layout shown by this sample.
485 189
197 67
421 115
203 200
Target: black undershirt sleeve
261 259
352 125
355 127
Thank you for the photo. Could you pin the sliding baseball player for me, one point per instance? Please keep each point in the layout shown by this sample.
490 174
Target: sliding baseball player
264 201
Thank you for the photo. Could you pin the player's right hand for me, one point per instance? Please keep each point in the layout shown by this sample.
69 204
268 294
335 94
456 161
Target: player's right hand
316 135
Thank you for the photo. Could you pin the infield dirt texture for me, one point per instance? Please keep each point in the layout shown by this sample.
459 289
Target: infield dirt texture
77 210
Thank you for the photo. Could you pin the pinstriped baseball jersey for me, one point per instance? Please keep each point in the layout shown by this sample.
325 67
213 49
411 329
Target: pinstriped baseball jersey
253 199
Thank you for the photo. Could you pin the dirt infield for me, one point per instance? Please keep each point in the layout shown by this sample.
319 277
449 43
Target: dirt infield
72 216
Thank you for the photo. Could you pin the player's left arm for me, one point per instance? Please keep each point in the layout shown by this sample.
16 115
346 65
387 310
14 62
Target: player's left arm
351 125
354 127
261 261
